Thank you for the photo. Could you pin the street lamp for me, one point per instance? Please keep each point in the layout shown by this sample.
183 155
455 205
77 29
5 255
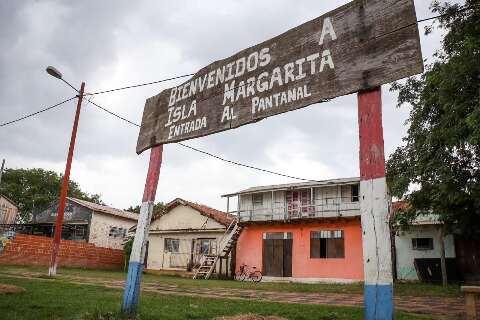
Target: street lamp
52 270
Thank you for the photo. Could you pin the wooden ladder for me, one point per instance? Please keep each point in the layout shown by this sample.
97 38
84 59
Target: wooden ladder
226 243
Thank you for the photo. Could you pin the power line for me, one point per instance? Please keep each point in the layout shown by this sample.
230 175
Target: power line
208 153
191 74
37 112
141 84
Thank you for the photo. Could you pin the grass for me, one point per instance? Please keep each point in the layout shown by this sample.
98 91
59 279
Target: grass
400 289
58 299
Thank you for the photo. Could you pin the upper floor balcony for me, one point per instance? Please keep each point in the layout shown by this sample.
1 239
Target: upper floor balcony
285 202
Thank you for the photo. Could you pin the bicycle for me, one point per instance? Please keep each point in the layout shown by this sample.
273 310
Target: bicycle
247 273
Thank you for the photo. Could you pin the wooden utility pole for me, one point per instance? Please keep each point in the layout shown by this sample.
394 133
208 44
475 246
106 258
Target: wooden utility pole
52 270
377 258
137 256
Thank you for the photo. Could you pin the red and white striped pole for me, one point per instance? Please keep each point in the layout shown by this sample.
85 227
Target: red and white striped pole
137 256
377 259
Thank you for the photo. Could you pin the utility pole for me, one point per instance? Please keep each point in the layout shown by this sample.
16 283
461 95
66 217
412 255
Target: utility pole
52 270
137 256
1 170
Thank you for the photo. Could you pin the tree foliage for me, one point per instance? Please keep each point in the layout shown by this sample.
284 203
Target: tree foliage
159 207
35 189
438 167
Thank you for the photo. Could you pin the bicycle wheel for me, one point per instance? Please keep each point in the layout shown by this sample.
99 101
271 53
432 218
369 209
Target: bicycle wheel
239 276
256 276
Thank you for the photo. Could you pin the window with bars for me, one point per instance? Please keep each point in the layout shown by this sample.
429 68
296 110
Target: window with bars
327 244
117 232
422 243
172 245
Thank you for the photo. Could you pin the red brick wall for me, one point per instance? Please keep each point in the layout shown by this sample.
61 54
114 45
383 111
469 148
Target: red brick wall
36 250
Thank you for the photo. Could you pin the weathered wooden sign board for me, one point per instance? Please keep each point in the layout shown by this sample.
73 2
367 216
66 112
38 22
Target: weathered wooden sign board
360 45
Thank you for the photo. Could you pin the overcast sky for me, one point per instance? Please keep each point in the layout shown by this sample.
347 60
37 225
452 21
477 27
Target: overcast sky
109 44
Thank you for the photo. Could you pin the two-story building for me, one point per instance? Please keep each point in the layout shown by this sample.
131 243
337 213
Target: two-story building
305 232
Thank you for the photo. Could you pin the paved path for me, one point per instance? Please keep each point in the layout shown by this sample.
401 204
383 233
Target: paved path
441 307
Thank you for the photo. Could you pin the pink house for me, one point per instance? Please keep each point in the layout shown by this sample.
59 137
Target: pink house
308 232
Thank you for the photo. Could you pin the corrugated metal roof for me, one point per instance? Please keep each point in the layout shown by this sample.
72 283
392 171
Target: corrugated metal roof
105 209
297 185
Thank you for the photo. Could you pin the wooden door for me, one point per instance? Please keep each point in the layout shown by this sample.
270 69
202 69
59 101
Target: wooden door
277 254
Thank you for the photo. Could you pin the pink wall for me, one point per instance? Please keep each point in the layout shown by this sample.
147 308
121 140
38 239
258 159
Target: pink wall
250 244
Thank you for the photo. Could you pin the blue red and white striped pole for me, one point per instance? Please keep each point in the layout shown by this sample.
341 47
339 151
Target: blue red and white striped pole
137 256
377 259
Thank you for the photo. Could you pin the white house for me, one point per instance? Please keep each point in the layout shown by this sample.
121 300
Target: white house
420 241
183 233
86 221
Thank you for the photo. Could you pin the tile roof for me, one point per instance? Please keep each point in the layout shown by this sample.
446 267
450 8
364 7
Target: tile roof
217 215
105 209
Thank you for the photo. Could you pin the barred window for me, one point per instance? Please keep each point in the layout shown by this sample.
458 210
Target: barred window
422 243
172 245
117 232
326 244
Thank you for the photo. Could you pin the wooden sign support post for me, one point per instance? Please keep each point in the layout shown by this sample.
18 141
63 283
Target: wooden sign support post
377 259
137 256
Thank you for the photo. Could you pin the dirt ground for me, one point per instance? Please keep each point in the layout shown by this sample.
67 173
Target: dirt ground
9 289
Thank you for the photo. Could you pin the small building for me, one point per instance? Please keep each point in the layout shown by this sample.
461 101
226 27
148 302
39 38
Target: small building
86 221
8 210
308 232
420 245
185 232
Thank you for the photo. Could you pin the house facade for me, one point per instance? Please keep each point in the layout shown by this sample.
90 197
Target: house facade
308 232
419 245
8 210
86 221
186 231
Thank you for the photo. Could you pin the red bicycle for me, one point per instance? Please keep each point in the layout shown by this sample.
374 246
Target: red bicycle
248 273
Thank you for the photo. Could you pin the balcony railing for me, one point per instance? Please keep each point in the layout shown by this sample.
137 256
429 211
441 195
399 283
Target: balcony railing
325 208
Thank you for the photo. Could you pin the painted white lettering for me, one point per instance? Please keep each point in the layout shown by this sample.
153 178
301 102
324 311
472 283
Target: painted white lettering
301 74
327 29
264 57
240 67
311 58
229 92
171 101
252 61
211 78
262 86
289 67
276 76
250 87
326 60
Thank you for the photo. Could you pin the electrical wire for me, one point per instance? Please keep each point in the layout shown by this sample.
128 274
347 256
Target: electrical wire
141 84
37 112
191 74
208 153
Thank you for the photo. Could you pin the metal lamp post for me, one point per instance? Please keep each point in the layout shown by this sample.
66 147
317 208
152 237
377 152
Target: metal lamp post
52 270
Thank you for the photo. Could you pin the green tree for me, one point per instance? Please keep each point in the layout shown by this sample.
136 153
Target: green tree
159 207
438 167
35 189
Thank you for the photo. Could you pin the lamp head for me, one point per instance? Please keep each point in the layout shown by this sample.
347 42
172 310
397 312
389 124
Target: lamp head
54 72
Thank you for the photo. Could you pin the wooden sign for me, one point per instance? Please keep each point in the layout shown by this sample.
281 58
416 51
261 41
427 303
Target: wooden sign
358 46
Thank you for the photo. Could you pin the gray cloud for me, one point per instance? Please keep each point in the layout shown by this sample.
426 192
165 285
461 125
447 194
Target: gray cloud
115 43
